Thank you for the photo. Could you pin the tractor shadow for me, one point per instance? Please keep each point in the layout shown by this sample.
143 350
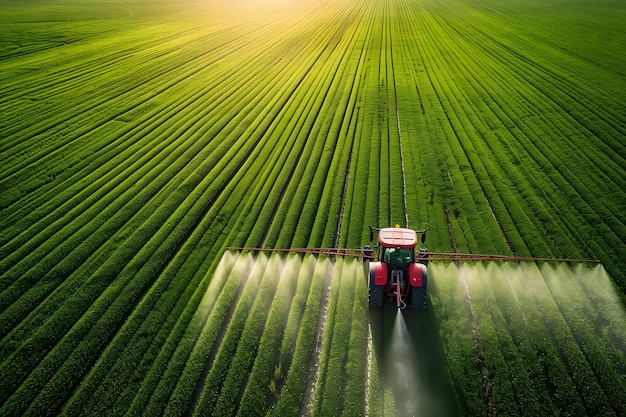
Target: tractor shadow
411 361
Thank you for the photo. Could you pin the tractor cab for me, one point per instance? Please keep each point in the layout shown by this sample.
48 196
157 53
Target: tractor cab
396 274
396 258
397 247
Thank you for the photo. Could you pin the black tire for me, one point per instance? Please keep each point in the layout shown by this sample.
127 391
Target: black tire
419 298
419 295
376 293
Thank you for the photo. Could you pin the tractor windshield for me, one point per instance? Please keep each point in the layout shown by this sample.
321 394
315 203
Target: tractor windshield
398 257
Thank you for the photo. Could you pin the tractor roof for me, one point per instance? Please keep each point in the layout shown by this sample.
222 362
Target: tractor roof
397 237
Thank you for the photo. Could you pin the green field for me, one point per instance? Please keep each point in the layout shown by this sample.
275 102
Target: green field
140 139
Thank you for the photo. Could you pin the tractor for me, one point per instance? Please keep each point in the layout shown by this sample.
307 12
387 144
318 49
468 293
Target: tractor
399 273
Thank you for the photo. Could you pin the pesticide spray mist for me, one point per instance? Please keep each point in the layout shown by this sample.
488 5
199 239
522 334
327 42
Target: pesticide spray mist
415 373
576 291
554 303
529 285
401 365
231 263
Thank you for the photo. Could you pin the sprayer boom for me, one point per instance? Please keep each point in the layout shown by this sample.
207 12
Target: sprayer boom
459 257
398 267
356 253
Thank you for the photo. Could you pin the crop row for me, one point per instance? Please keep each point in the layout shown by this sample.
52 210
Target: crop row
252 366
513 174
113 368
60 304
528 312
119 260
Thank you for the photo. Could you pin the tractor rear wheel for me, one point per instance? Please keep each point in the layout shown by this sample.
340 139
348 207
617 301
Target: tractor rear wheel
419 298
375 293
419 295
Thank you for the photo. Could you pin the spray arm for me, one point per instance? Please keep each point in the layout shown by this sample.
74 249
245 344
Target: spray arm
372 232
423 233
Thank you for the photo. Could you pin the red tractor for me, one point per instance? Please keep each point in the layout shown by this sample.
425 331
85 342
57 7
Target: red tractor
399 273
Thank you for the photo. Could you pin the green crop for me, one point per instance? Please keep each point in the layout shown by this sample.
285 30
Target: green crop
138 140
